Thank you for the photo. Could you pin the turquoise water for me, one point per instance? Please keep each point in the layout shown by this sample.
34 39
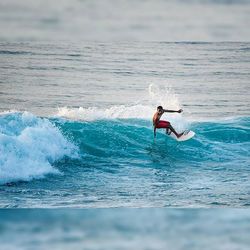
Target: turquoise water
117 163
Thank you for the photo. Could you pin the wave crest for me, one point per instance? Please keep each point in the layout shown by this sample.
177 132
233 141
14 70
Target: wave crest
28 147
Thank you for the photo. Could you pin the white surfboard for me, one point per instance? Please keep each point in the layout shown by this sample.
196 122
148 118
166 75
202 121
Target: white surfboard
186 136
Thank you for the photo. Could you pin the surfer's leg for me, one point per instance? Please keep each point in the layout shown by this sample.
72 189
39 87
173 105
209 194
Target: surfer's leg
173 130
167 126
168 131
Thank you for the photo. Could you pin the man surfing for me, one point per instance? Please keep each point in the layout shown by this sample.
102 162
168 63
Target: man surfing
164 124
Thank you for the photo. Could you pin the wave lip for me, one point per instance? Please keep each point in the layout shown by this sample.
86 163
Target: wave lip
28 147
116 112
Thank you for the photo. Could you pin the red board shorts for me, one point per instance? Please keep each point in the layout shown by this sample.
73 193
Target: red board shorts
163 124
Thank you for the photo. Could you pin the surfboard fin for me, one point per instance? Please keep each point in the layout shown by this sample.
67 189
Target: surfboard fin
168 131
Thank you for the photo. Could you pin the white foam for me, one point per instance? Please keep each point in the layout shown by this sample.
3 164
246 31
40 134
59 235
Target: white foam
157 95
115 112
164 96
28 147
121 112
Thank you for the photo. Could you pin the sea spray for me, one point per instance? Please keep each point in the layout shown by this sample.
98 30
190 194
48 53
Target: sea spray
164 96
157 95
28 147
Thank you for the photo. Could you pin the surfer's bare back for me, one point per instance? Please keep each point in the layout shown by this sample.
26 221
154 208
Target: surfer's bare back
164 124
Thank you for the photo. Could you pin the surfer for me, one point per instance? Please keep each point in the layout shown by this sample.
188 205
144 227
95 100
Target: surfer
164 124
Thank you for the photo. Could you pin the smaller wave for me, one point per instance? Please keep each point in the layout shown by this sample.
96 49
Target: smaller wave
228 130
28 147
9 52
245 49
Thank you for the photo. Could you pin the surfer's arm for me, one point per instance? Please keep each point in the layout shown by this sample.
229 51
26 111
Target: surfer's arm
154 131
173 111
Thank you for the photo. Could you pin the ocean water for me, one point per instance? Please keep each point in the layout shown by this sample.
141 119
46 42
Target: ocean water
76 131
79 83
123 228
125 20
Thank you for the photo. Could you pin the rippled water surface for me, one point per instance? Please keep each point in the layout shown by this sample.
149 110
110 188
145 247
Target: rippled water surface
79 132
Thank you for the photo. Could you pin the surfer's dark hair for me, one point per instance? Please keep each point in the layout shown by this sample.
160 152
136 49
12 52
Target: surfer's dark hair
159 107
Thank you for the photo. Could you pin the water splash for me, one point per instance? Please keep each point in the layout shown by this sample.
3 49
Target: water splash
164 96
28 147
